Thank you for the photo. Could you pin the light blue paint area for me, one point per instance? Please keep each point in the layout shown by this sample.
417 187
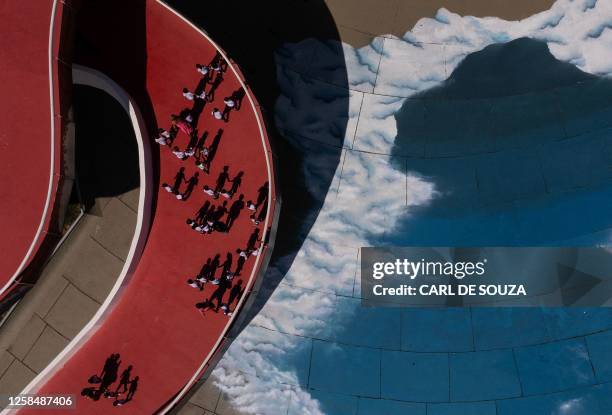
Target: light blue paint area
600 350
496 328
438 330
368 326
330 404
477 408
386 407
593 400
345 369
554 367
418 377
487 375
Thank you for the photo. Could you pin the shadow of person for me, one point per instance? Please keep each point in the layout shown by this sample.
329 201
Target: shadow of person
124 380
238 96
178 180
92 393
253 239
104 379
191 184
234 212
262 195
216 83
131 392
235 294
214 146
201 214
109 372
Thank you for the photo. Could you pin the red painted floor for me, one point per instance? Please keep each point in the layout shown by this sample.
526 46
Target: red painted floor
155 326
25 135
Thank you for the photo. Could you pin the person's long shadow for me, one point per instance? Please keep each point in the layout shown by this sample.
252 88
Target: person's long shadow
273 25
213 148
106 377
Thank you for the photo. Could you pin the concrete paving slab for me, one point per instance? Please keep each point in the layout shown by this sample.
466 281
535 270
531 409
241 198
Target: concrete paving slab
52 289
374 17
96 275
16 377
71 312
45 349
5 361
191 409
225 407
116 229
131 198
27 336
207 396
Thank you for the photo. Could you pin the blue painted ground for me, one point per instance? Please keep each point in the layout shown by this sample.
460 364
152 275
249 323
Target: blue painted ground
523 158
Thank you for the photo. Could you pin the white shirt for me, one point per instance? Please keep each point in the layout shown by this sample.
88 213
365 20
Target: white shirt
161 139
188 95
202 95
203 70
189 118
209 192
217 114
229 102
194 285
179 154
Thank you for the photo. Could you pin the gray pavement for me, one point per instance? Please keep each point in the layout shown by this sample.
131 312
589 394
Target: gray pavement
71 289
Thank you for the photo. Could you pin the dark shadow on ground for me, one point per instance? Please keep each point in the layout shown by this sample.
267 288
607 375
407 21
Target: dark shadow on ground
516 142
115 43
106 149
253 33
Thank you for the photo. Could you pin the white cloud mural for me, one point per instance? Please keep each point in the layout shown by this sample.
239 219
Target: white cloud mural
368 196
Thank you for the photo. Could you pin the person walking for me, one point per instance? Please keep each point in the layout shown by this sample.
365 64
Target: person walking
217 114
163 137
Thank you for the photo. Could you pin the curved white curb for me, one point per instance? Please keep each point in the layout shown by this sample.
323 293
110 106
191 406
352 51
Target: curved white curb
86 76
43 217
264 143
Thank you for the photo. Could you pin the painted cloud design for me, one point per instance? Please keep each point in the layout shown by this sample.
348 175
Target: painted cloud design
367 196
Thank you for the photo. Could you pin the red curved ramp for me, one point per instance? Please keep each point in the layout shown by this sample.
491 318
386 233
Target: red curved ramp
155 326
30 141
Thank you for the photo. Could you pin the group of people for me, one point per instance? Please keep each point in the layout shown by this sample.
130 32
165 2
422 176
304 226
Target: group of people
224 281
207 219
225 202
108 376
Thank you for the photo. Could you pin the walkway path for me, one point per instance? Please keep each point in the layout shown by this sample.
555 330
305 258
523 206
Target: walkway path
30 157
156 326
